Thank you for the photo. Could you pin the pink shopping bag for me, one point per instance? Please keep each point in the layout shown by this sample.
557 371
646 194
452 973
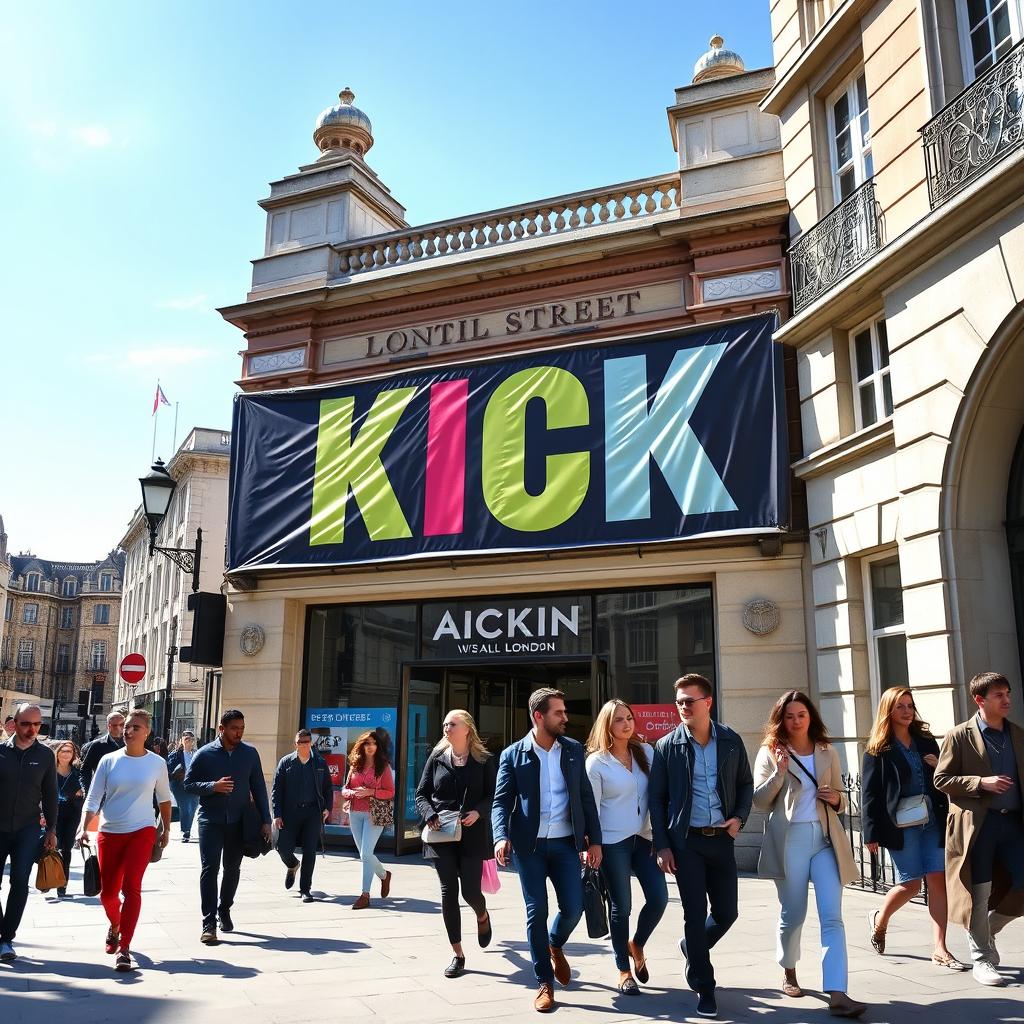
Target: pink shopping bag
490 883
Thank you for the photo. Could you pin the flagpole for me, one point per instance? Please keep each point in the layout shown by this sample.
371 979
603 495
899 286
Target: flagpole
156 417
174 443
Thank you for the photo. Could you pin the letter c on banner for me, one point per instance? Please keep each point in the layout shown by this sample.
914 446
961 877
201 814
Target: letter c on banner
567 476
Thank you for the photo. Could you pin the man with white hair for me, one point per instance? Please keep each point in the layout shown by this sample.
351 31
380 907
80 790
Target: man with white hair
28 780
111 740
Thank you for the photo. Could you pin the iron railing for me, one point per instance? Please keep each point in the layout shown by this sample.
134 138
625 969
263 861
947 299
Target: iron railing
982 126
839 243
877 873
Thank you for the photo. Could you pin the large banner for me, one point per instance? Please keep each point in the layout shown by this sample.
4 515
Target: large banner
661 438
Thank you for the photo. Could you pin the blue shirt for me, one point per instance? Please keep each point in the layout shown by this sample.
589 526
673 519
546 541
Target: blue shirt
1000 754
916 765
706 807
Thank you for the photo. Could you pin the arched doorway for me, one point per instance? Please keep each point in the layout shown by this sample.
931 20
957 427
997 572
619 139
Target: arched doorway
1015 541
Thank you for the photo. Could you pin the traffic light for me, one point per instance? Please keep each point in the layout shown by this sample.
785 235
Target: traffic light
208 611
83 703
96 704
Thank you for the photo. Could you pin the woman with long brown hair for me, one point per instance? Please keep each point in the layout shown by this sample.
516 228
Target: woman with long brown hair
903 812
454 800
618 768
798 783
370 782
70 799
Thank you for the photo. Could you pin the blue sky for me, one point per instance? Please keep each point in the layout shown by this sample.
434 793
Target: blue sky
136 139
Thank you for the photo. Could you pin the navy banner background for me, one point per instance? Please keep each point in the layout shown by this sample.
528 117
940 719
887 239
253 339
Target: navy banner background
708 402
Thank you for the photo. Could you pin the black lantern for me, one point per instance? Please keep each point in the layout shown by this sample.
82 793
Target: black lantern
157 491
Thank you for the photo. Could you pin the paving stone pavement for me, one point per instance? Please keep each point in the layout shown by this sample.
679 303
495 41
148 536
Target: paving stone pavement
288 961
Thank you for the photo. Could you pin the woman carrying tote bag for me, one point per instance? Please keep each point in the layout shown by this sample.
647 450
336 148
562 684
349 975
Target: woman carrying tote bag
798 783
903 812
454 799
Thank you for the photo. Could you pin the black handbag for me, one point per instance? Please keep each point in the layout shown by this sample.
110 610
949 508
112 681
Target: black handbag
595 903
90 872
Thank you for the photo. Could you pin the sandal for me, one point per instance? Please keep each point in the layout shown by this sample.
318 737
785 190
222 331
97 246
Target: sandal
639 963
948 961
876 937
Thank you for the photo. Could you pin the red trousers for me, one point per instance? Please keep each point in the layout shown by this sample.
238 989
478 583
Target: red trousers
124 858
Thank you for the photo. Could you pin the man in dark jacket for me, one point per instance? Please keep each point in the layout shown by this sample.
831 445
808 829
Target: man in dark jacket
225 775
545 816
701 789
28 780
302 796
111 740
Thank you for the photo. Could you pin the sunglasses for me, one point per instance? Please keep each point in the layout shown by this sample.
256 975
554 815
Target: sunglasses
688 702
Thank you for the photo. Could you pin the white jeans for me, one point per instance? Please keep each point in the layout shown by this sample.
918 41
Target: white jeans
810 860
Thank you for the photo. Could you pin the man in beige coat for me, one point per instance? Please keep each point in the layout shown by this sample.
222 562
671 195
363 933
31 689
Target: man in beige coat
979 769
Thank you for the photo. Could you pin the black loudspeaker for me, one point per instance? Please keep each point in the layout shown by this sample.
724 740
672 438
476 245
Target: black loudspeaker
83 703
208 612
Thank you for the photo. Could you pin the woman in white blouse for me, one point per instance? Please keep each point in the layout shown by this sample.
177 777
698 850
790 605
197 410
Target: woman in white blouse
618 767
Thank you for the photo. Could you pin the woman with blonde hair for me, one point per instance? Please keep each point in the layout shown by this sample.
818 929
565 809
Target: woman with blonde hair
369 778
798 783
618 767
454 800
903 812
70 798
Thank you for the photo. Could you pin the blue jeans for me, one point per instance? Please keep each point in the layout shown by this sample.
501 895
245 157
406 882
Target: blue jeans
217 841
23 847
812 861
558 860
187 804
620 861
366 834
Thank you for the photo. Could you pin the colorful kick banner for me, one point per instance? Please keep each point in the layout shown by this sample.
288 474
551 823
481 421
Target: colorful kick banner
659 438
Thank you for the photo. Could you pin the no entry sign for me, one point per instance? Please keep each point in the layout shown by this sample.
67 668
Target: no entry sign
132 669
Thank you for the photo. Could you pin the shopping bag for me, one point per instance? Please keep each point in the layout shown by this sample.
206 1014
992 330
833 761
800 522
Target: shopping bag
50 872
595 903
490 883
90 871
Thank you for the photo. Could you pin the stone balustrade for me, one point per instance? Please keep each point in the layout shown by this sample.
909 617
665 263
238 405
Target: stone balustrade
630 201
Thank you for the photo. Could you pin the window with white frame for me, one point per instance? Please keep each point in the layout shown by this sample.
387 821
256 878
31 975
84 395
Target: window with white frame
106 581
63 657
988 29
886 631
101 615
869 352
69 587
8 609
26 650
98 656
849 136
30 614
32 582
67 618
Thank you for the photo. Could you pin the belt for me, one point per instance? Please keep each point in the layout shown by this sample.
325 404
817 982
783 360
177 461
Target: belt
707 830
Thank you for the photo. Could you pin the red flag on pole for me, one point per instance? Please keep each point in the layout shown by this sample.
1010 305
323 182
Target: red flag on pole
159 399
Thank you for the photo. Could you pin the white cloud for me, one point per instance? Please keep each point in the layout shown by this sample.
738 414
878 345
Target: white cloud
188 302
95 136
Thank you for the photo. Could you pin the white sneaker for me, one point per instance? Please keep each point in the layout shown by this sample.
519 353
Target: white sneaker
985 974
7 951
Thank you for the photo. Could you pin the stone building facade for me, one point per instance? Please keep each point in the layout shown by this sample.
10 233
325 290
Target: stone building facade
60 638
155 616
904 168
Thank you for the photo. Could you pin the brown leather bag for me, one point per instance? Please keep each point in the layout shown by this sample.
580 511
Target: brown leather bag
50 872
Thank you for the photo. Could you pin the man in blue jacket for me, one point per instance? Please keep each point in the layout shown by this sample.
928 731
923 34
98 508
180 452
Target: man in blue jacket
302 796
225 775
701 789
545 816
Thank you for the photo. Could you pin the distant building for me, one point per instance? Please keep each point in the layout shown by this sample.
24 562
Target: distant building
155 613
60 637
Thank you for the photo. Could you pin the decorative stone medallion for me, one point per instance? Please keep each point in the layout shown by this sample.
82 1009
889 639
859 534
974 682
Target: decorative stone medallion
761 616
252 639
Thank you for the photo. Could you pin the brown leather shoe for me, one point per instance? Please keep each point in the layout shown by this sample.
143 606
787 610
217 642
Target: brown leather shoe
841 1005
790 986
560 964
363 902
544 1000
385 885
639 963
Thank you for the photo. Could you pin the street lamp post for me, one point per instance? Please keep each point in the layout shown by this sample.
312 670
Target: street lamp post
157 491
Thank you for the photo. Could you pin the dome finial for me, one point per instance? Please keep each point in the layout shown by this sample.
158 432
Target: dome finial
343 129
718 62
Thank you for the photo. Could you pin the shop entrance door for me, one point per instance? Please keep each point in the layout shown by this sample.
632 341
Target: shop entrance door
496 696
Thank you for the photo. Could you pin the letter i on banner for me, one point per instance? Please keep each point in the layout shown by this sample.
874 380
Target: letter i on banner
445 488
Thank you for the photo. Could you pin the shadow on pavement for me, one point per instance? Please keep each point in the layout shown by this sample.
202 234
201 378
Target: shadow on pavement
279 944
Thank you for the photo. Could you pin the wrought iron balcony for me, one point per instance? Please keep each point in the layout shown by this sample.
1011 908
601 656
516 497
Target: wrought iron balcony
839 243
984 124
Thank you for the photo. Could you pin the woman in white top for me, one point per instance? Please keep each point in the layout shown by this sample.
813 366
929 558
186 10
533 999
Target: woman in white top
121 796
618 767
798 783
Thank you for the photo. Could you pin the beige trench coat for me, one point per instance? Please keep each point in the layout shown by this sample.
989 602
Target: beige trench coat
775 793
963 762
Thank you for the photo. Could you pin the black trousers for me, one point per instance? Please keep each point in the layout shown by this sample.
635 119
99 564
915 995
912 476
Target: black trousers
217 841
455 868
706 874
302 829
1000 841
